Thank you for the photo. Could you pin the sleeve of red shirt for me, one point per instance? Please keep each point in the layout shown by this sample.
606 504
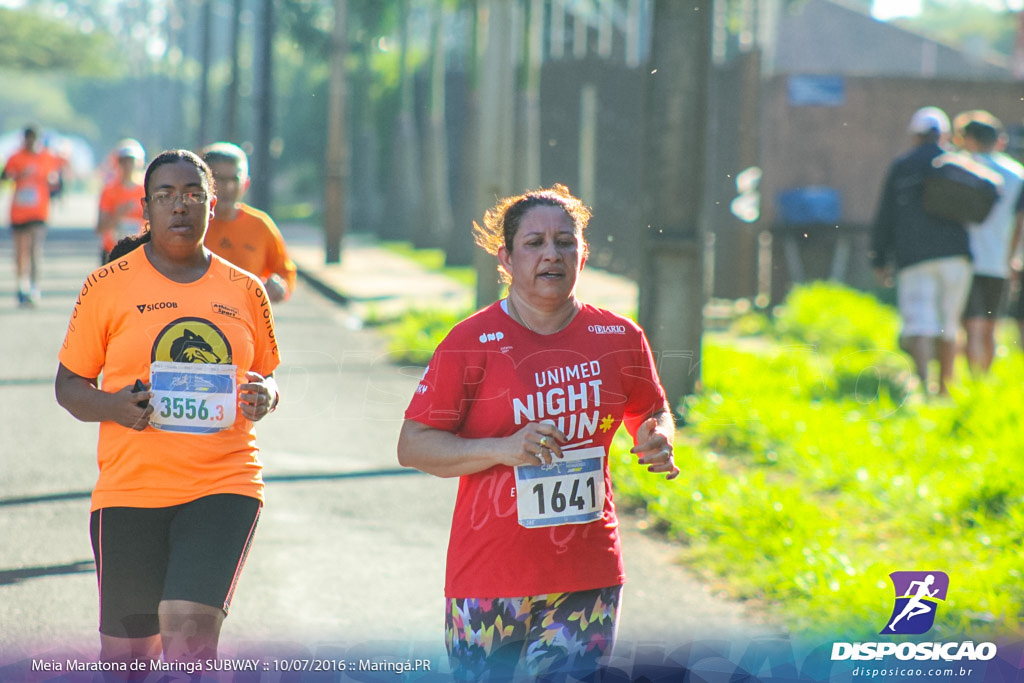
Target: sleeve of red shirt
646 396
444 392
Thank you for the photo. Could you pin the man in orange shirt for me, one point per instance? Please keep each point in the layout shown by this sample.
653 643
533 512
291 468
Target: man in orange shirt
121 198
32 171
241 234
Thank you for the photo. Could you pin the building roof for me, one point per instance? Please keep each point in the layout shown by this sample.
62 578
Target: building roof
828 37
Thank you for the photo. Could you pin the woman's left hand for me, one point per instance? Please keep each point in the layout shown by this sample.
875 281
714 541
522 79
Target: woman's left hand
258 396
654 449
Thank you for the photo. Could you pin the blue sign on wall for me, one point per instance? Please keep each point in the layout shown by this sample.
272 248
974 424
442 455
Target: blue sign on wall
816 91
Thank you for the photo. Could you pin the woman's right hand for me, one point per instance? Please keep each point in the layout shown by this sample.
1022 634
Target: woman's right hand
537 443
125 408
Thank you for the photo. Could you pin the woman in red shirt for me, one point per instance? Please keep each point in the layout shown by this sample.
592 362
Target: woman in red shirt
521 401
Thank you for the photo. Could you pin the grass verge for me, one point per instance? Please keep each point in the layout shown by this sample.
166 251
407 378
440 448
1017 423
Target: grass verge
810 474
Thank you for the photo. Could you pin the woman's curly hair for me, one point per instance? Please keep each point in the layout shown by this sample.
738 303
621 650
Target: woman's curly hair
501 222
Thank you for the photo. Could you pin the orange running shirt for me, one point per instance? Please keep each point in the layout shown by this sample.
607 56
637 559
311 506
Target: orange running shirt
128 315
31 173
253 243
115 195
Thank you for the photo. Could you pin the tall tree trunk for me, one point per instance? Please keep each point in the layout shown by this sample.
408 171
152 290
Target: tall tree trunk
437 196
260 193
461 249
672 237
231 96
205 59
366 195
528 145
497 129
335 219
405 191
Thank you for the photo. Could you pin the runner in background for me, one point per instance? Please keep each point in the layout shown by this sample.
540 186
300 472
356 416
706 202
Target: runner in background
241 234
35 172
121 199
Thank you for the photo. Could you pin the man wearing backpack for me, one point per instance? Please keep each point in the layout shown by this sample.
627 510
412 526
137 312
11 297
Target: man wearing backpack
930 255
992 241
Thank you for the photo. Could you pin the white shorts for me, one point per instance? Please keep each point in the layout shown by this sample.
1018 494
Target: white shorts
932 295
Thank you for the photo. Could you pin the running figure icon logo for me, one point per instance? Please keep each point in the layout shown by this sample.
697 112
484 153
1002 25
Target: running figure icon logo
917 598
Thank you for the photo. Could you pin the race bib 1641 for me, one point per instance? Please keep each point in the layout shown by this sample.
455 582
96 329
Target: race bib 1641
568 491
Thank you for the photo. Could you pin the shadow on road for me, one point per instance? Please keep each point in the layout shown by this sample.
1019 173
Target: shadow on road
12 576
272 478
24 381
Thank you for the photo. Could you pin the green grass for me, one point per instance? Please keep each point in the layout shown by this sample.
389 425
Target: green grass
809 474
803 489
433 260
412 340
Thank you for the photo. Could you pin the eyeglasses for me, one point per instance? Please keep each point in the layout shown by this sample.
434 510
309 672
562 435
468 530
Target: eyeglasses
170 199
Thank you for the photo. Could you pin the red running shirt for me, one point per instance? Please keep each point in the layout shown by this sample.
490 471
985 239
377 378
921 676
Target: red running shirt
488 378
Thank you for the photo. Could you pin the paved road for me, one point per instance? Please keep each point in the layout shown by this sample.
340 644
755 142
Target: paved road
349 557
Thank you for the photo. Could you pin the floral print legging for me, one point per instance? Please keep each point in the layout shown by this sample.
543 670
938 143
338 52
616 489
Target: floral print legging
556 633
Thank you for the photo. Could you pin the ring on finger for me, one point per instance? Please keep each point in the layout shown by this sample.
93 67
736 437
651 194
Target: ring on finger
543 442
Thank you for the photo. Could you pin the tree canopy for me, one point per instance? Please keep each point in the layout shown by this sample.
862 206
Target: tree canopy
30 42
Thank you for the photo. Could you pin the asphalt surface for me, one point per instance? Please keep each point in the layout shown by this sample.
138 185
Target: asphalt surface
349 557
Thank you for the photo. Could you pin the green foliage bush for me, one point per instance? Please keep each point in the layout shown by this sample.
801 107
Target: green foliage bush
412 340
809 475
835 318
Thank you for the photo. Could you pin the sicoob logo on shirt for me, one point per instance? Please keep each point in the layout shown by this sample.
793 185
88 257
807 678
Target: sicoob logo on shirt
192 340
159 306
917 598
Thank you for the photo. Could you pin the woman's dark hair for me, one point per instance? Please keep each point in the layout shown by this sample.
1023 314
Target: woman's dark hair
173 156
501 222
128 244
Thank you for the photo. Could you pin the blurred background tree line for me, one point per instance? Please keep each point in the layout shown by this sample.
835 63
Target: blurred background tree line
406 118
185 73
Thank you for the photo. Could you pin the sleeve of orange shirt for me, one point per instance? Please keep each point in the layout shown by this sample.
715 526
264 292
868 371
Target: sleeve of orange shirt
277 259
280 263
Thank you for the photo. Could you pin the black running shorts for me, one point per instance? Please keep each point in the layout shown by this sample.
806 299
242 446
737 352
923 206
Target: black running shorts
193 552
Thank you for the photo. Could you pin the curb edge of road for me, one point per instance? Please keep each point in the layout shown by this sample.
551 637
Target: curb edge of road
320 285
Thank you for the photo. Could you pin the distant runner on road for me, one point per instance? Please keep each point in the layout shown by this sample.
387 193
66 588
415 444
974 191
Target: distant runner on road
35 172
121 198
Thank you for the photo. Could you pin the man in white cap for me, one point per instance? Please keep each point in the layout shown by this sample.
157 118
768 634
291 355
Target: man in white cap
931 255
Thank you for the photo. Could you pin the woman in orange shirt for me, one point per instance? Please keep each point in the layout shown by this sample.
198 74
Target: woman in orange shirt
186 348
33 172
121 198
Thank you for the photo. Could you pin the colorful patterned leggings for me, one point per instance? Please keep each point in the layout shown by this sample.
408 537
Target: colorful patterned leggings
557 633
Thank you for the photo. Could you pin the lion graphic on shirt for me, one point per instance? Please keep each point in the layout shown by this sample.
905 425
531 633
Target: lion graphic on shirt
191 348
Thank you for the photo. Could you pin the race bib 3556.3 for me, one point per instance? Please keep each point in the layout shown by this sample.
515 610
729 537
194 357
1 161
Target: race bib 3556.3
196 398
